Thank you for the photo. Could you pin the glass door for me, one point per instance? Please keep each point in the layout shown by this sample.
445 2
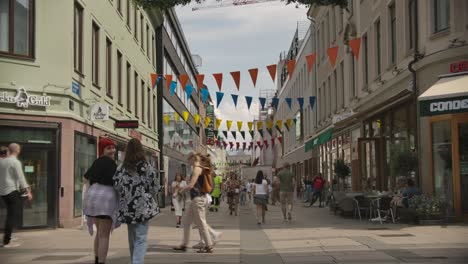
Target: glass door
370 159
463 158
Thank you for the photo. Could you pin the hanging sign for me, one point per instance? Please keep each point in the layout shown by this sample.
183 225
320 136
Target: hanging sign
126 124
100 112
24 100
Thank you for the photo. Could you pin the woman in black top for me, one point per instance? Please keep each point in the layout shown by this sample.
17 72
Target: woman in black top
101 202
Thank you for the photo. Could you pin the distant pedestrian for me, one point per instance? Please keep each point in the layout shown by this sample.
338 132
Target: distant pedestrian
287 184
178 197
101 201
243 194
200 185
12 185
136 183
275 191
216 194
260 192
233 191
250 184
318 183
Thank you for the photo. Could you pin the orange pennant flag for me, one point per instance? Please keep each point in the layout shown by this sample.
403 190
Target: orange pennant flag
183 78
272 70
154 77
219 79
332 54
253 75
355 45
310 61
168 81
236 77
200 78
291 66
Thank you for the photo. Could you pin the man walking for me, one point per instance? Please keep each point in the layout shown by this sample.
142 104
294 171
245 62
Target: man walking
12 181
287 184
318 182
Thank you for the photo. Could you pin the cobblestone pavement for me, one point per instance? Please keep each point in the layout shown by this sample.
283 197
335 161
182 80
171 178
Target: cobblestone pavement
313 236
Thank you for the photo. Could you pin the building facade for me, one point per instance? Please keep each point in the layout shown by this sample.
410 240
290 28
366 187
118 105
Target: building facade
65 80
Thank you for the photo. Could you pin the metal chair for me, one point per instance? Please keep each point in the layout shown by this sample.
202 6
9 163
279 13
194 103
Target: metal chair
362 204
384 206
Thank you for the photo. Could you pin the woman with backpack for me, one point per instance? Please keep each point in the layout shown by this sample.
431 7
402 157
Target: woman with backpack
135 182
201 184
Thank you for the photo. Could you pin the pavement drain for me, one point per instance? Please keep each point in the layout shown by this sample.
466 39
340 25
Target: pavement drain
396 235
377 228
58 258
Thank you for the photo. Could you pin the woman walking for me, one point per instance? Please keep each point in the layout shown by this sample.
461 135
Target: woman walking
260 191
196 212
233 190
101 201
136 185
178 197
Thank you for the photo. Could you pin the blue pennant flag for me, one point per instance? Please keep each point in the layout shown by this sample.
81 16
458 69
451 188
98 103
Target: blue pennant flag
289 101
188 90
248 99
262 102
312 102
301 102
158 80
173 87
275 102
219 98
204 93
234 98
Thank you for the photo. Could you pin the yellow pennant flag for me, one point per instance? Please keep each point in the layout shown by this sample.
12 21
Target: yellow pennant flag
186 116
250 124
207 121
260 125
218 123
279 124
269 124
176 117
197 119
229 124
289 122
239 125
167 118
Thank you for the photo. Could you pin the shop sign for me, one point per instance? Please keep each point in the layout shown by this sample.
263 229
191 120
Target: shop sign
23 100
126 124
100 112
461 66
341 117
134 134
444 106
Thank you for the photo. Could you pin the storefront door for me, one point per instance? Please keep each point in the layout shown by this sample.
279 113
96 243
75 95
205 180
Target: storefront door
463 167
370 156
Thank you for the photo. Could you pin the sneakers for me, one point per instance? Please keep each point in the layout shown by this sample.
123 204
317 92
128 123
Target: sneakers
200 245
11 245
216 238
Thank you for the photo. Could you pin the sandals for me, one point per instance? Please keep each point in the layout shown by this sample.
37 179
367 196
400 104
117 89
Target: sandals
180 248
207 249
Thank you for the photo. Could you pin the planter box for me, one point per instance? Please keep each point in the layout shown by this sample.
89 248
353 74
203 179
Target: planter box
431 221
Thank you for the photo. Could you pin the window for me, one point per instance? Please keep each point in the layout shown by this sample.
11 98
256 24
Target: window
393 43
366 59
129 84
335 91
329 97
340 19
119 6
143 96
119 77
147 42
108 67
135 95
17 27
78 38
378 47
412 13
299 126
84 156
155 116
441 10
149 107
129 6
135 23
153 43
95 54
319 47
342 85
142 40
353 77
324 44
333 23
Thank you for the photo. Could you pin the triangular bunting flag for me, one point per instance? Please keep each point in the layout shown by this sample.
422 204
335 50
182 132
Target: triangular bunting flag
205 94
239 125
236 76
270 131
200 78
280 139
234 99
273 142
244 145
279 124
243 134
173 87
229 124
207 121
259 125
355 45
231 144
154 77
176 117
224 144
275 102
291 66
234 134
300 100
289 101
261 132
219 98
312 102
225 134
269 124
198 130
248 100
253 75
310 61
332 54
188 90
237 145
265 143
196 118
295 120
207 130
286 125
250 125
183 78
186 116
289 123
259 143
251 134
219 79
168 78
272 71
167 118
262 102
218 123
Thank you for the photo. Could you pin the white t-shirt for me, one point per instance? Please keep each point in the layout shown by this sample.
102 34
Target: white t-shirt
182 185
261 188
249 187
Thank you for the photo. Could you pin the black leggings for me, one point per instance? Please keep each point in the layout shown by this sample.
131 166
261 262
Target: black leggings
215 202
13 203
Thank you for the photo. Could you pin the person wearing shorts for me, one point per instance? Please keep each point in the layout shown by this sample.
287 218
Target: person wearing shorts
287 183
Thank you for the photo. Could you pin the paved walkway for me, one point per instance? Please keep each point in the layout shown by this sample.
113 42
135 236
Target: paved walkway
314 236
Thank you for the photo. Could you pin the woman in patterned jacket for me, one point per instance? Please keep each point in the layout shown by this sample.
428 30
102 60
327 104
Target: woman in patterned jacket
136 184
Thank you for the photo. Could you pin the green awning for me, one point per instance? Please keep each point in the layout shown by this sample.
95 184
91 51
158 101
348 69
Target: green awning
319 140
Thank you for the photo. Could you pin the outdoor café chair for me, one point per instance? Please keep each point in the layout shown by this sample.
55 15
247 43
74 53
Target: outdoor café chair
362 204
383 206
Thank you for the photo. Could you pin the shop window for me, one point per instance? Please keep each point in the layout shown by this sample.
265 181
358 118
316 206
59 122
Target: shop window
108 67
21 135
441 11
85 154
95 53
78 38
442 160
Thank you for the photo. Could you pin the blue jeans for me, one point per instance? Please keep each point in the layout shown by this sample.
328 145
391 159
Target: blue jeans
137 241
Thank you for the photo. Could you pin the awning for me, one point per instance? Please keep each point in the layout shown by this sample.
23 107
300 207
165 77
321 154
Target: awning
319 140
447 96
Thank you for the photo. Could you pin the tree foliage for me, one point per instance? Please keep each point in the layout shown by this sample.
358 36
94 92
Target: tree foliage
165 4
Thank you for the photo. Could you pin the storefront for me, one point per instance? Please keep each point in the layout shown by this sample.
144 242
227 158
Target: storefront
444 112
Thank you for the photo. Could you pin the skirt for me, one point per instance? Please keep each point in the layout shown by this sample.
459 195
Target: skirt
178 206
100 201
260 199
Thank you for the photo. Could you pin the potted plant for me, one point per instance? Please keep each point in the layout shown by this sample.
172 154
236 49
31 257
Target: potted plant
342 171
404 161
429 209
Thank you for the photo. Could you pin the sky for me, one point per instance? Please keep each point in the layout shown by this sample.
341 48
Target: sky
237 39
